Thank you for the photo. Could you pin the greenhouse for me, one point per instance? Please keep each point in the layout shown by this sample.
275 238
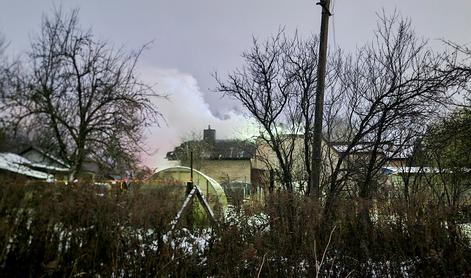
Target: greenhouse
180 175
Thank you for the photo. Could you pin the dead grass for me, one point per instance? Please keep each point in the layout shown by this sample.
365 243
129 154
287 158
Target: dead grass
57 230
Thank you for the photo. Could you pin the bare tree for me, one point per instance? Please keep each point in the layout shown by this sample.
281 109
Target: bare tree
9 69
80 95
276 85
460 64
390 90
4 67
265 90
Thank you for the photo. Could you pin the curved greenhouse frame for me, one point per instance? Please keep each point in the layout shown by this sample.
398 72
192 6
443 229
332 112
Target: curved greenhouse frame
210 188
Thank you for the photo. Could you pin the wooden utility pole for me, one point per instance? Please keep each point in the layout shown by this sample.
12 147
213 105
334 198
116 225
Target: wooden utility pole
319 106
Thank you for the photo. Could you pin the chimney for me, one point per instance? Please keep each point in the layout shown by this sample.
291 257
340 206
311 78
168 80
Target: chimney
209 135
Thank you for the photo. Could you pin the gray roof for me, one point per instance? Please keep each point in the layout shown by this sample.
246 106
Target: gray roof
219 150
232 150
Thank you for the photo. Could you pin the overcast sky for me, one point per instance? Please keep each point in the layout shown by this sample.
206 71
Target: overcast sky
192 39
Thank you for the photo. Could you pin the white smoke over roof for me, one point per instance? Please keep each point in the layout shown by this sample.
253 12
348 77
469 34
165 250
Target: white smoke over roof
186 113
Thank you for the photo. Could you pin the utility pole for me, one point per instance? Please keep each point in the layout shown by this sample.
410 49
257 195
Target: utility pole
316 161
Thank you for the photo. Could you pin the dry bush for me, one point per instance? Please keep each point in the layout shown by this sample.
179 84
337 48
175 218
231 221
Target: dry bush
70 230
77 230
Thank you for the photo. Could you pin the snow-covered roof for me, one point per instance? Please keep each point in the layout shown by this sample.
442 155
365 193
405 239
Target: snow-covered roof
391 151
15 158
48 167
17 164
360 147
417 170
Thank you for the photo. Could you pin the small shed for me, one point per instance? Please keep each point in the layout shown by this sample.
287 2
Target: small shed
43 161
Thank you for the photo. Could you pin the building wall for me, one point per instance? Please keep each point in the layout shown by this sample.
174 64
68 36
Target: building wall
265 157
397 163
227 170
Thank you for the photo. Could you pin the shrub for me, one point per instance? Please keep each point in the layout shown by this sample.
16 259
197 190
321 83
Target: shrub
58 230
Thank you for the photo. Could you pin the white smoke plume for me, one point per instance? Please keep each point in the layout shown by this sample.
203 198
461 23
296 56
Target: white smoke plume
185 113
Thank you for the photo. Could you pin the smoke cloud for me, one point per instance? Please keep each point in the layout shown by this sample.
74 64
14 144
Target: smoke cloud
186 114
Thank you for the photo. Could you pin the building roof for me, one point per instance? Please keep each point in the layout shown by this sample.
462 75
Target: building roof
219 150
416 170
361 147
46 156
17 164
389 150
232 150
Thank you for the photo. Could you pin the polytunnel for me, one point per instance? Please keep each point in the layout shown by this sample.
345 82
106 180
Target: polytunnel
180 175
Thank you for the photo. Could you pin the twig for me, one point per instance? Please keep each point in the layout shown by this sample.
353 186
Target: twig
261 266
325 252
350 273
